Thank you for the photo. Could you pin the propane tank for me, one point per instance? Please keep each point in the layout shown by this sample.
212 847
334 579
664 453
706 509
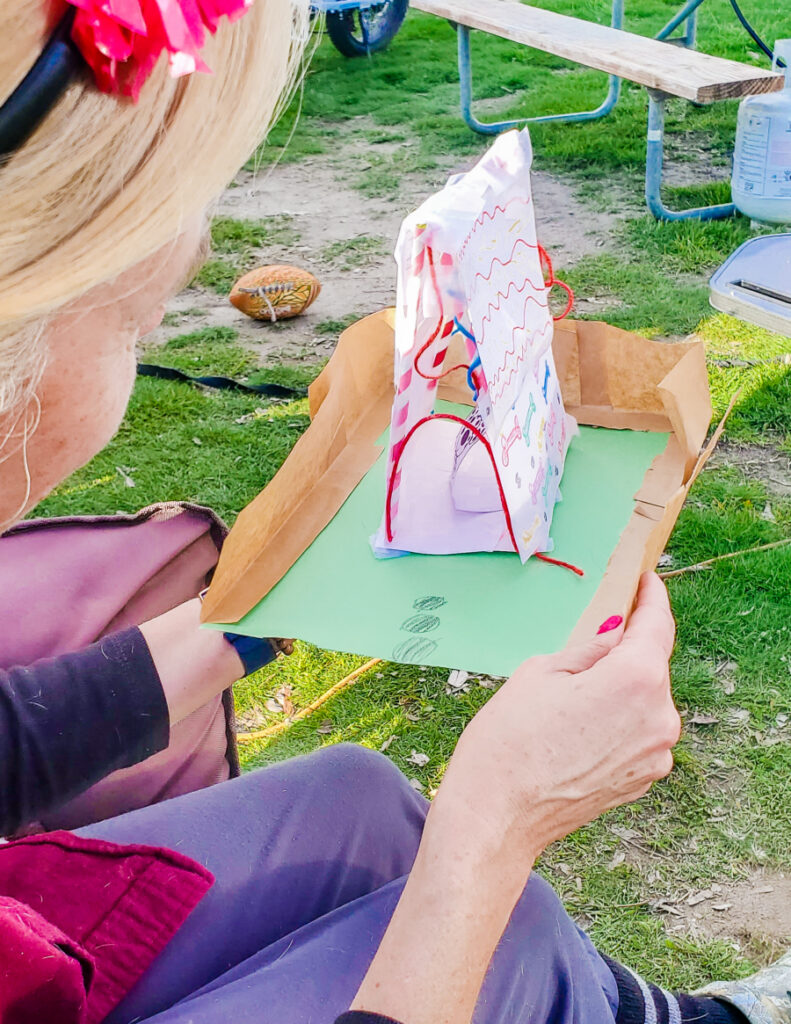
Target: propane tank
761 182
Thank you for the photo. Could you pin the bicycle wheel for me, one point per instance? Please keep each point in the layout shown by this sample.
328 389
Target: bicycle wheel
357 32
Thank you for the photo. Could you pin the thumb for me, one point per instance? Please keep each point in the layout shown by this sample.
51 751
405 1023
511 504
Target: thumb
581 657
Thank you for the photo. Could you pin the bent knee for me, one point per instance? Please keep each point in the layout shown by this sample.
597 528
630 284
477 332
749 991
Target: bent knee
351 765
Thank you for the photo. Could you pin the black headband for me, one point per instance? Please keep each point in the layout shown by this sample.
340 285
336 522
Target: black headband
41 88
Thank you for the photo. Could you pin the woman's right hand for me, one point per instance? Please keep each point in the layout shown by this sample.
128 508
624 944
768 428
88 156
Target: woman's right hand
569 736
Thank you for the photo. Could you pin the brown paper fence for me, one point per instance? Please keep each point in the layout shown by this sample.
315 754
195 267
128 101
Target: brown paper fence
609 378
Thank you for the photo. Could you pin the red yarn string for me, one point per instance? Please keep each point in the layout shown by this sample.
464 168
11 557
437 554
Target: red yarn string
484 440
551 280
435 332
569 301
543 256
556 561
397 461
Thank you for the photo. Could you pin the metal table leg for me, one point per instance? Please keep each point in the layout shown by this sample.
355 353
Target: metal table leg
494 127
688 13
654 158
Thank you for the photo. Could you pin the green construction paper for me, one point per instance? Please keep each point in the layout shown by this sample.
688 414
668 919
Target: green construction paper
484 612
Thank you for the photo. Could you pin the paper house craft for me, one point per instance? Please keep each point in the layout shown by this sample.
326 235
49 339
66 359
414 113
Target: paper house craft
471 278
472 310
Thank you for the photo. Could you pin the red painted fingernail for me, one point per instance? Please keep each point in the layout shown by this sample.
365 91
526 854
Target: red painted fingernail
613 622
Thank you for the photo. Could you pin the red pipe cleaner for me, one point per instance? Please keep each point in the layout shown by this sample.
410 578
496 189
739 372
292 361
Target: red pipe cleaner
435 333
551 280
485 441
556 561
397 461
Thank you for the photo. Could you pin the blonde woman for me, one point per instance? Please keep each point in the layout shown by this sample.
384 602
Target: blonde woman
293 893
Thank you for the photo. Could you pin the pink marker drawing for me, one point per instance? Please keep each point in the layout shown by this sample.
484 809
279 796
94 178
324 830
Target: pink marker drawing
553 420
510 441
536 484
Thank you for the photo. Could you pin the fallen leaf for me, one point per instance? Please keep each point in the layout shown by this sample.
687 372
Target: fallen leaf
457 678
665 561
625 833
701 719
250 416
721 906
699 897
764 889
284 696
416 784
564 869
666 907
197 441
619 858
726 671
273 705
387 743
768 514
128 481
325 728
421 760
412 716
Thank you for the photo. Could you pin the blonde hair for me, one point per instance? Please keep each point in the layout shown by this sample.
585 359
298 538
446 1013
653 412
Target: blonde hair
103 182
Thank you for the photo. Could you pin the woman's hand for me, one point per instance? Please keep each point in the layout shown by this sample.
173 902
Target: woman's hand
194 664
567 737
571 734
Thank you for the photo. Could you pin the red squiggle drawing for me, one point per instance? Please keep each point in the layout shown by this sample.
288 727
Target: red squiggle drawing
520 358
510 351
501 297
491 214
503 263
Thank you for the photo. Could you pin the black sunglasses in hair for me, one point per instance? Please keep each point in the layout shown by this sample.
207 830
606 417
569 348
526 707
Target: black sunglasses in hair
58 64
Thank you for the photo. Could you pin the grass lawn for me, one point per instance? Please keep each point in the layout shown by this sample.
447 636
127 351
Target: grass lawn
723 814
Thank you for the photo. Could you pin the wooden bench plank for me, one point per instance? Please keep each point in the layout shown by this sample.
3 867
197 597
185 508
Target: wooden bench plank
649 62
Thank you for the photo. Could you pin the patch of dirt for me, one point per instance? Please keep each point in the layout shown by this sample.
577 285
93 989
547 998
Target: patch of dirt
568 229
755 914
689 161
325 209
758 462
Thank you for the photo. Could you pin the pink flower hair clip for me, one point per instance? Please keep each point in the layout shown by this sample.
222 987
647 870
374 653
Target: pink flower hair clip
121 41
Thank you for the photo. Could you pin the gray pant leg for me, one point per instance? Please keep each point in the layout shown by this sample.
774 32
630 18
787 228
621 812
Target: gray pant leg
287 845
545 971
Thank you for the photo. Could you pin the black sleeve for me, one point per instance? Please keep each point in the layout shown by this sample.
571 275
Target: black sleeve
66 722
361 1017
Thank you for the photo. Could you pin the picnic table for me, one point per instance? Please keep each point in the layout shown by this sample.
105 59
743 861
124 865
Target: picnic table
667 65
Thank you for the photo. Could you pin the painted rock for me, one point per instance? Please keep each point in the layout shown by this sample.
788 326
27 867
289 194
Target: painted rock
275 292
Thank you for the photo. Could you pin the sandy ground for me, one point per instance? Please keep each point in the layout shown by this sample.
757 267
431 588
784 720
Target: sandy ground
754 914
324 209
